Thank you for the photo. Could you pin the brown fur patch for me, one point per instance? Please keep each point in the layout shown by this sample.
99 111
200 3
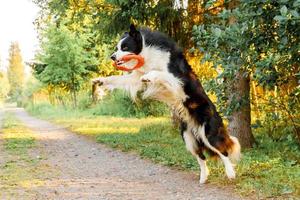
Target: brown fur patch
193 105
225 145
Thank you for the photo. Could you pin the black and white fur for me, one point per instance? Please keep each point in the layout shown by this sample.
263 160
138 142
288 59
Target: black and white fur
167 77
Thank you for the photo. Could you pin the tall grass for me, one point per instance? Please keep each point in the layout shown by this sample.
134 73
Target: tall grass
120 104
116 103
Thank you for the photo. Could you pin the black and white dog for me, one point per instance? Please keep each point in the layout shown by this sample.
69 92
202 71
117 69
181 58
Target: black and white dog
167 77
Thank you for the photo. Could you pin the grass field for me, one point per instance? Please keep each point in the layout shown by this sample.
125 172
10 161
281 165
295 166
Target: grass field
19 168
270 170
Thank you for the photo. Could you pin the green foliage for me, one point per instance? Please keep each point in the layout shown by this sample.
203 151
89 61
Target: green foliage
120 104
51 110
257 38
115 104
15 73
32 86
66 59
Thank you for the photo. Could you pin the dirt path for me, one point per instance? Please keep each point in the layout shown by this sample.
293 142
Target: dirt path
87 170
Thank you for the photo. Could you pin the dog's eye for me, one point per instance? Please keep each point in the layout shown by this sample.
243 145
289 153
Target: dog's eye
125 48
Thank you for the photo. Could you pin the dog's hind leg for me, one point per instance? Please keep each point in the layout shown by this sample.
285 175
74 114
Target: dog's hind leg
204 172
193 146
200 133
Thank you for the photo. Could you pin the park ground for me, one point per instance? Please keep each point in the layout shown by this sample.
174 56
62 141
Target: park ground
42 160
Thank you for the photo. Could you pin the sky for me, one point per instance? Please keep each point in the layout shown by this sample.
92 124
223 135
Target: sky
16 24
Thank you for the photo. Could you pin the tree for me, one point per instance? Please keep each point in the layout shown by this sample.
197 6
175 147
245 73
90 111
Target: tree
4 89
16 72
275 55
66 62
255 40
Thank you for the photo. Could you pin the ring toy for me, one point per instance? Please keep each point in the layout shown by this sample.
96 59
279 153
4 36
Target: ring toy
124 59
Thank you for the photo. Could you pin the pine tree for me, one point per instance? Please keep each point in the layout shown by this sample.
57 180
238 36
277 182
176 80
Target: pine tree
15 72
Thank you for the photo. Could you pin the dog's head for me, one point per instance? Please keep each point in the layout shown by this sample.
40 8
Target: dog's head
131 43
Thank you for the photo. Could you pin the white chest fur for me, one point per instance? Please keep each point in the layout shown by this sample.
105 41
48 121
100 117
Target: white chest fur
155 59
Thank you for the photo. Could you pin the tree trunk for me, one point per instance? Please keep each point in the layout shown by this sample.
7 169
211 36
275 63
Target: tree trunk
73 91
74 98
240 119
239 92
255 99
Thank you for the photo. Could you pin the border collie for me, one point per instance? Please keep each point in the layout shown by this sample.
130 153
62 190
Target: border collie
166 76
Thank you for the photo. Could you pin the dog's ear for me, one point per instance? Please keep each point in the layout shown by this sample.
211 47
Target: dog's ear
133 32
132 28
137 37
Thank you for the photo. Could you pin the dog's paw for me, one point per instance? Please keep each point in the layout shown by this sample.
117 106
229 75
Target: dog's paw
149 77
230 172
202 181
231 175
98 81
203 175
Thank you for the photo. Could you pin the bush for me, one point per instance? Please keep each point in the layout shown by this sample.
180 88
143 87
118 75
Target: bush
120 104
43 107
85 100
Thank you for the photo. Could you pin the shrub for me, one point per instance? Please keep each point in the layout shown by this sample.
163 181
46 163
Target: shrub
120 104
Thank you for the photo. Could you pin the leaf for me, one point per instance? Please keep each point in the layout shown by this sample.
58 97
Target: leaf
217 32
295 13
296 3
279 18
283 10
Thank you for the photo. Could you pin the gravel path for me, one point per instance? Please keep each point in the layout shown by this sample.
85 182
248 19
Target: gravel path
88 170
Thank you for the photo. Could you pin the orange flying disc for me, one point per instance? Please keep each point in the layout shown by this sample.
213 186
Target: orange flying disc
140 62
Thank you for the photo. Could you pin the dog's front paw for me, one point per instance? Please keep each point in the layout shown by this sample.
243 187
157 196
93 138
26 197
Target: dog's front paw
149 77
98 81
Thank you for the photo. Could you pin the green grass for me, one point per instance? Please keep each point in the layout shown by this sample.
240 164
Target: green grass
117 103
270 170
19 170
17 138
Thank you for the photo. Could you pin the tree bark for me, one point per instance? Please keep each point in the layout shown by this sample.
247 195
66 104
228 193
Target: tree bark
73 91
240 119
239 92
74 98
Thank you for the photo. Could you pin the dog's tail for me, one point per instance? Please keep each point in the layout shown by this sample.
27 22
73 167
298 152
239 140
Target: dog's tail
235 150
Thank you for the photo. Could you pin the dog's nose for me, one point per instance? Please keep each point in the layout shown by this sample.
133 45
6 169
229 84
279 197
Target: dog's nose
113 57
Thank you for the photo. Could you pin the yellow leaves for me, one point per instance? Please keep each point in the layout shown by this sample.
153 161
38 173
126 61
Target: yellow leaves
78 4
203 71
